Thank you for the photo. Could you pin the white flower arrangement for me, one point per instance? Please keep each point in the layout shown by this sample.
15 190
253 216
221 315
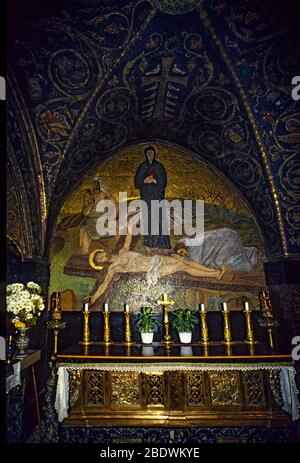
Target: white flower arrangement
25 303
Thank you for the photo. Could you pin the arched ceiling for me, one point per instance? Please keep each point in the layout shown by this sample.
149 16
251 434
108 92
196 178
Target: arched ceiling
89 77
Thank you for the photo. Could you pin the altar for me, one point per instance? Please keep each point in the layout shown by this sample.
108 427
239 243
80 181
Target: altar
174 386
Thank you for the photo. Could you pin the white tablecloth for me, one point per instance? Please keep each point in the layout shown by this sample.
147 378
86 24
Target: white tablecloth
14 379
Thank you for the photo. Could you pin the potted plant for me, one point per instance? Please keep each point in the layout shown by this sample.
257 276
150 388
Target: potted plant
146 323
184 321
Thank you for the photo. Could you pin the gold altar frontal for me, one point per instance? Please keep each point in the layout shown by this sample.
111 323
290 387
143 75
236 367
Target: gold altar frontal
180 386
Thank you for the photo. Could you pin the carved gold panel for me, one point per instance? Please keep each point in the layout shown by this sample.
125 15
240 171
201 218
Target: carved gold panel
254 389
195 389
174 381
225 388
125 388
153 388
94 382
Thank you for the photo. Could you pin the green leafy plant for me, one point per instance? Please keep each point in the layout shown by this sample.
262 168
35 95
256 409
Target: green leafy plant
184 320
147 321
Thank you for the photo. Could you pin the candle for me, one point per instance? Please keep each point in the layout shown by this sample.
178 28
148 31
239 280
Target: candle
224 306
247 306
126 308
86 307
202 307
106 307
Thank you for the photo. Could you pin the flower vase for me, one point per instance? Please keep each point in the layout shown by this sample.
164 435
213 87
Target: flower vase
22 340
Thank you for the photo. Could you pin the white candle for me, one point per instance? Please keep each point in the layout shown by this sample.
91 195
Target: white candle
105 307
126 308
247 306
202 307
224 306
86 307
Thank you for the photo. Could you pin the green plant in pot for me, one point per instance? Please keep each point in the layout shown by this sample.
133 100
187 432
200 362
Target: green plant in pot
184 321
147 322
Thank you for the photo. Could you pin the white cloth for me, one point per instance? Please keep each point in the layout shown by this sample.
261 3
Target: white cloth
289 392
14 379
2 348
62 394
289 389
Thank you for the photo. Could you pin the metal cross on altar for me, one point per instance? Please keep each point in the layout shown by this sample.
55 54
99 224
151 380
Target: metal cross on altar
165 304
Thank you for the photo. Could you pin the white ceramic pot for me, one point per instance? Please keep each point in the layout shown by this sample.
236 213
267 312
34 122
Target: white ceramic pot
185 338
147 338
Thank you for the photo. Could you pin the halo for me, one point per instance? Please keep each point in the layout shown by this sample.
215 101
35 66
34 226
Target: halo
91 259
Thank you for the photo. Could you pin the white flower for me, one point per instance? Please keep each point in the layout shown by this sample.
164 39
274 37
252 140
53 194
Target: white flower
14 288
33 286
24 302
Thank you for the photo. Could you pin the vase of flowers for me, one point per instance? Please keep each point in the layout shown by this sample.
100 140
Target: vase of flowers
25 304
22 340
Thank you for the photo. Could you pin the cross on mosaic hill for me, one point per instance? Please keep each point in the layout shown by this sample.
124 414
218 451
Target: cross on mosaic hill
163 80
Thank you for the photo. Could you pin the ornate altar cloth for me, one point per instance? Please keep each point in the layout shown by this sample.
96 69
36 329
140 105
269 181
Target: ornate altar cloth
116 385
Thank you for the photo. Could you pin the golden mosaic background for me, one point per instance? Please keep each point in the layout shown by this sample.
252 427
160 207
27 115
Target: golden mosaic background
187 179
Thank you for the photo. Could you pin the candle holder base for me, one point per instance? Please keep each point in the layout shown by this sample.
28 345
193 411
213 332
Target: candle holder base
228 343
128 343
85 343
166 342
204 343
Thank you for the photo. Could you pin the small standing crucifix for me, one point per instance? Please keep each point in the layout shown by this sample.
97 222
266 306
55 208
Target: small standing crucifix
165 303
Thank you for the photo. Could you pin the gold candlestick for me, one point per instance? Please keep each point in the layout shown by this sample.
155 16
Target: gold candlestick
128 340
227 328
204 329
248 315
55 323
268 320
86 328
165 303
106 334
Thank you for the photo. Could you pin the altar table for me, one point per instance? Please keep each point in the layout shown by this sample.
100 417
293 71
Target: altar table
181 386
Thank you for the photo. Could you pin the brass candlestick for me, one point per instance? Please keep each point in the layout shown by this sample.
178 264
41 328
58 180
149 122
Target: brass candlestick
227 328
248 315
55 323
204 329
165 303
128 340
268 320
106 334
86 328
